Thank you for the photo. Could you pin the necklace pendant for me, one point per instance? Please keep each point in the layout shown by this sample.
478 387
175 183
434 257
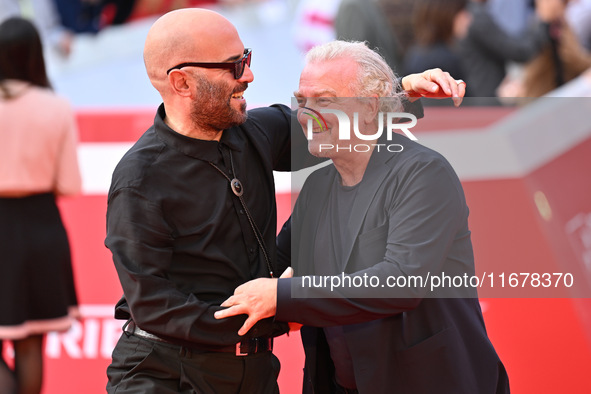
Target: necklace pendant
236 186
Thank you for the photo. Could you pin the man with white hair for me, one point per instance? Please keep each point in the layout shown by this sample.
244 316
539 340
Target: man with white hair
192 214
387 211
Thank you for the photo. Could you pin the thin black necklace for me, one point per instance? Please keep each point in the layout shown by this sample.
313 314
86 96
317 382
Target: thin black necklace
238 190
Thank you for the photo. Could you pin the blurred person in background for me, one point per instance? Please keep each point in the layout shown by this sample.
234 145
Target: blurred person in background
436 25
513 16
578 87
384 24
88 16
487 48
37 163
44 14
562 59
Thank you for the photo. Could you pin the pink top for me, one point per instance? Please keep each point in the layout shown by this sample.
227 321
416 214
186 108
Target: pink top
38 136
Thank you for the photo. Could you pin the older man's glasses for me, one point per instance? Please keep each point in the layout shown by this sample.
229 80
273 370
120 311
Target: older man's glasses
238 66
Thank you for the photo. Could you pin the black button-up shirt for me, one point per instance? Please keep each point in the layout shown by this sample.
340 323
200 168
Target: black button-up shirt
180 238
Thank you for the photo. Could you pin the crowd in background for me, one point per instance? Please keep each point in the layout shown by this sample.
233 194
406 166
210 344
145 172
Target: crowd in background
59 20
501 48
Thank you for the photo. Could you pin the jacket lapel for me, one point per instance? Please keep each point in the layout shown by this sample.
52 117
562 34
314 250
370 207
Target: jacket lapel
307 214
374 176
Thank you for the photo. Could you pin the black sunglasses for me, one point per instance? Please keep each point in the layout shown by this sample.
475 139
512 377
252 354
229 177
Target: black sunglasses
238 66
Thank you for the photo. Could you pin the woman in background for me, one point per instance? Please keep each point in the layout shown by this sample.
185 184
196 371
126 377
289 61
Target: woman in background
37 163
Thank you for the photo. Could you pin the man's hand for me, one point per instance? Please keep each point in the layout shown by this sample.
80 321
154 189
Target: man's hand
256 298
434 83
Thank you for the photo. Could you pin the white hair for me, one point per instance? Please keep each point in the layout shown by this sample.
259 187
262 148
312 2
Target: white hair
374 76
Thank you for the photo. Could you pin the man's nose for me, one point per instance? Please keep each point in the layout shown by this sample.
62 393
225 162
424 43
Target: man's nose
247 76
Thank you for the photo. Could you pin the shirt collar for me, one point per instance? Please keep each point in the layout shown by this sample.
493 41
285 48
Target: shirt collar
199 149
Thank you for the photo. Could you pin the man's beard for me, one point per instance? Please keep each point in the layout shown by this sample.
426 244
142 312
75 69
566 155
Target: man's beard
212 110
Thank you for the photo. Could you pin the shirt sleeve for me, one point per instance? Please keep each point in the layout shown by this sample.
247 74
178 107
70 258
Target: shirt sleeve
142 245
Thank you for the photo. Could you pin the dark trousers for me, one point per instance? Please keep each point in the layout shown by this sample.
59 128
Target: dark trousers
143 366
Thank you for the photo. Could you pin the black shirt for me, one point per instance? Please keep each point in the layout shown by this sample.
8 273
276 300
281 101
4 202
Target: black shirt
332 235
180 238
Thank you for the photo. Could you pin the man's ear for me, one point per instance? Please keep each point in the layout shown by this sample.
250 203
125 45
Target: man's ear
180 83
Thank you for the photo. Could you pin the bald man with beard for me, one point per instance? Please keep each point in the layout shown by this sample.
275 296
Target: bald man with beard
192 214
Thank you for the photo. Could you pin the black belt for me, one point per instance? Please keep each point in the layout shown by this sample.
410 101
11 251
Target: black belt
246 347
256 345
343 390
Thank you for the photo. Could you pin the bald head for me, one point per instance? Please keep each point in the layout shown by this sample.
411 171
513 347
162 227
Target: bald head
188 35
